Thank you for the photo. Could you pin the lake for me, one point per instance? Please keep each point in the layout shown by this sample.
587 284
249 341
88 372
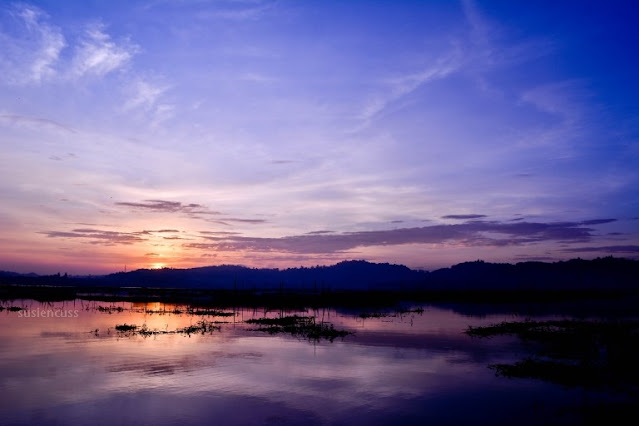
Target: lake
65 363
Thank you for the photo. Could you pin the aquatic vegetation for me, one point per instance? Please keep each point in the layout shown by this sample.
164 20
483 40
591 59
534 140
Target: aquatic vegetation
110 309
590 354
299 326
200 327
366 315
125 327
210 312
419 311
395 313
282 321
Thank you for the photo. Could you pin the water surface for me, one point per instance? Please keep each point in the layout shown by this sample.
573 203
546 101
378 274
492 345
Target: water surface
416 367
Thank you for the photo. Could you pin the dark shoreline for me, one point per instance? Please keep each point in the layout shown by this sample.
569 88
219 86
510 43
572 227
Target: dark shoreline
559 301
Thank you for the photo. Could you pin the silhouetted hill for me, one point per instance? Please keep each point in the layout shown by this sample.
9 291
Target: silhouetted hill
351 275
15 274
599 274
607 273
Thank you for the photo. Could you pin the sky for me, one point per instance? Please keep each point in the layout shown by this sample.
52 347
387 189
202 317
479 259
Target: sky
150 134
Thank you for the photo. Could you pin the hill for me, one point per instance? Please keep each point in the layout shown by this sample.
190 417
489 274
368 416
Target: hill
607 273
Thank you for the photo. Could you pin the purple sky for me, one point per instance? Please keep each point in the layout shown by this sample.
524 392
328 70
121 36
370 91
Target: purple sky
284 133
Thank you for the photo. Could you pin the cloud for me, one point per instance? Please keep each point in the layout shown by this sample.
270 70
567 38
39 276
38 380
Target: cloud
99 237
255 77
32 52
35 122
487 47
145 95
192 210
597 221
31 58
480 29
235 219
630 249
475 233
463 216
403 85
238 12
52 43
98 55
169 207
529 258
225 222
219 233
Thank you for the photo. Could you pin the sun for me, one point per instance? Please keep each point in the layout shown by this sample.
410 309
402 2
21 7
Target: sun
158 265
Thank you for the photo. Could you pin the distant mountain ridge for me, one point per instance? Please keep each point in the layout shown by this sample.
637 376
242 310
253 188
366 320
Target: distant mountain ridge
577 274
351 275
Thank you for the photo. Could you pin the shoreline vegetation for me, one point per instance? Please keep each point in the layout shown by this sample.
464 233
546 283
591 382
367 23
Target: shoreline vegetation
592 354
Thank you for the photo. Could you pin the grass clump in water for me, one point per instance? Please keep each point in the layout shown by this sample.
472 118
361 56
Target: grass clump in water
126 327
201 327
299 326
210 312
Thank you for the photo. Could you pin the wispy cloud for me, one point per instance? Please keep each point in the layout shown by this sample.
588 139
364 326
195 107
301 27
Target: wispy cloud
98 237
487 46
463 216
34 122
191 210
598 221
52 43
31 58
98 55
623 250
148 99
240 220
32 54
219 233
237 12
169 207
397 87
145 95
629 249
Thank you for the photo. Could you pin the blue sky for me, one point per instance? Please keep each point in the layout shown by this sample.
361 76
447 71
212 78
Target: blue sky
287 133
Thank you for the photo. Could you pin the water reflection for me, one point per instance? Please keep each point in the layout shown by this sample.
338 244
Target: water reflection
410 367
